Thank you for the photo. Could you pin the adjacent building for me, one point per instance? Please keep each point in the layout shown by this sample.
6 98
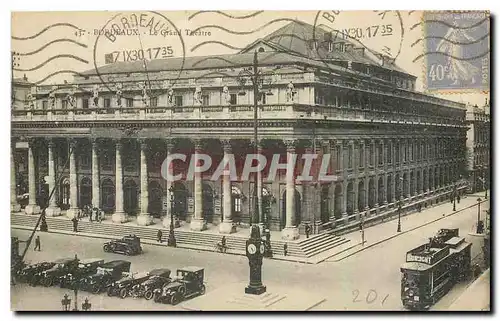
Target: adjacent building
110 129
478 146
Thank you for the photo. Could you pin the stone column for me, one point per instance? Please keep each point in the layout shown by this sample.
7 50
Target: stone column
421 185
73 182
95 174
290 232
14 206
345 195
31 208
53 209
168 186
144 217
393 194
226 226
198 223
119 216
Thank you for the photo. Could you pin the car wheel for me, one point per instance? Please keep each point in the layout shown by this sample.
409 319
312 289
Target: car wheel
123 293
48 282
148 295
202 289
96 288
128 252
157 297
110 291
106 248
182 290
176 298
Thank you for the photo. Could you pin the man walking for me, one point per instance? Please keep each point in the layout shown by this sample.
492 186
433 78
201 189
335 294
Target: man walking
159 235
75 224
38 245
285 249
308 230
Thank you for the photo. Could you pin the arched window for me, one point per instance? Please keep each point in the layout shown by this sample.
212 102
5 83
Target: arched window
64 194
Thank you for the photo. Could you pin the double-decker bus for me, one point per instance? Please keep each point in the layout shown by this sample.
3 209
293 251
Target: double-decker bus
432 269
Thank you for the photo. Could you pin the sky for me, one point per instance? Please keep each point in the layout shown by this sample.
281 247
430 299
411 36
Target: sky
65 43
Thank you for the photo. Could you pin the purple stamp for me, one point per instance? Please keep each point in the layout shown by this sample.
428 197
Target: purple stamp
457 50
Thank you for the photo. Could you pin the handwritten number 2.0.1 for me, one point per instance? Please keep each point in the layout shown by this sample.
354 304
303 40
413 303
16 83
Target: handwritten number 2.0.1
371 297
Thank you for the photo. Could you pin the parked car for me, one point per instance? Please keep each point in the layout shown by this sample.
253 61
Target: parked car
61 267
31 273
157 279
105 276
85 268
187 283
123 286
128 245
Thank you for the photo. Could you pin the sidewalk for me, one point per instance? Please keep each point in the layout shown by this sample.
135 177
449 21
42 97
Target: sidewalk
476 297
377 234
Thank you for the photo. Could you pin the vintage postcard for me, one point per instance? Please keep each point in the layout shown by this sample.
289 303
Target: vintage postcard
250 161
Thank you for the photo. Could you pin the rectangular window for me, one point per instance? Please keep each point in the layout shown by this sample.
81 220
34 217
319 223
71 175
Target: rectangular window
178 101
338 165
154 102
361 156
85 160
389 153
410 151
232 100
205 100
372 154
380 154
349 157
107 102
405 152
45 105
398 154
263 98
237 204
85 103
129 102
64 104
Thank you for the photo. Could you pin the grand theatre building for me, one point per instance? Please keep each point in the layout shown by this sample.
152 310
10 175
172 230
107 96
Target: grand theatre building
101 139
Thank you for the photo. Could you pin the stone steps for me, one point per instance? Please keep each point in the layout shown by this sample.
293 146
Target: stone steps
236 244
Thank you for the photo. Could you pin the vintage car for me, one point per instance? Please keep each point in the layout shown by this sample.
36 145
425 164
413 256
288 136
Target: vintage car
105 276
31 273
157 279
187 283
85 268
123 286
128 245
61 267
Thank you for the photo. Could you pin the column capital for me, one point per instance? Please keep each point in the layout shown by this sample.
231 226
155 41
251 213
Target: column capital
226 145
143 142
170 145
290 144
50 143
72 142
198 143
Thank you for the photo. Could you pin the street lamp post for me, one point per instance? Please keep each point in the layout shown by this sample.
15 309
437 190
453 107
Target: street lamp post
399 204
454 197
171 235
257 78
479 229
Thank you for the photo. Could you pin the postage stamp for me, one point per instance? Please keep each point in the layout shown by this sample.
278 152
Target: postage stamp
457 50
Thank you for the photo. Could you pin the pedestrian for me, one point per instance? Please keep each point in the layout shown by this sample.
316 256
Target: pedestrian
75 224
308 230
38 245
362 237
285 249
223 244
159 235
90 214
100 215
79 215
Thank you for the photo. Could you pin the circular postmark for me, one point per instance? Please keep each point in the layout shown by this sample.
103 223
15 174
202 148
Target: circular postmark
378 33
132 45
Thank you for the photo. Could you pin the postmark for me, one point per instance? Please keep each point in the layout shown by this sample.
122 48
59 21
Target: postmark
457 50
140 38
